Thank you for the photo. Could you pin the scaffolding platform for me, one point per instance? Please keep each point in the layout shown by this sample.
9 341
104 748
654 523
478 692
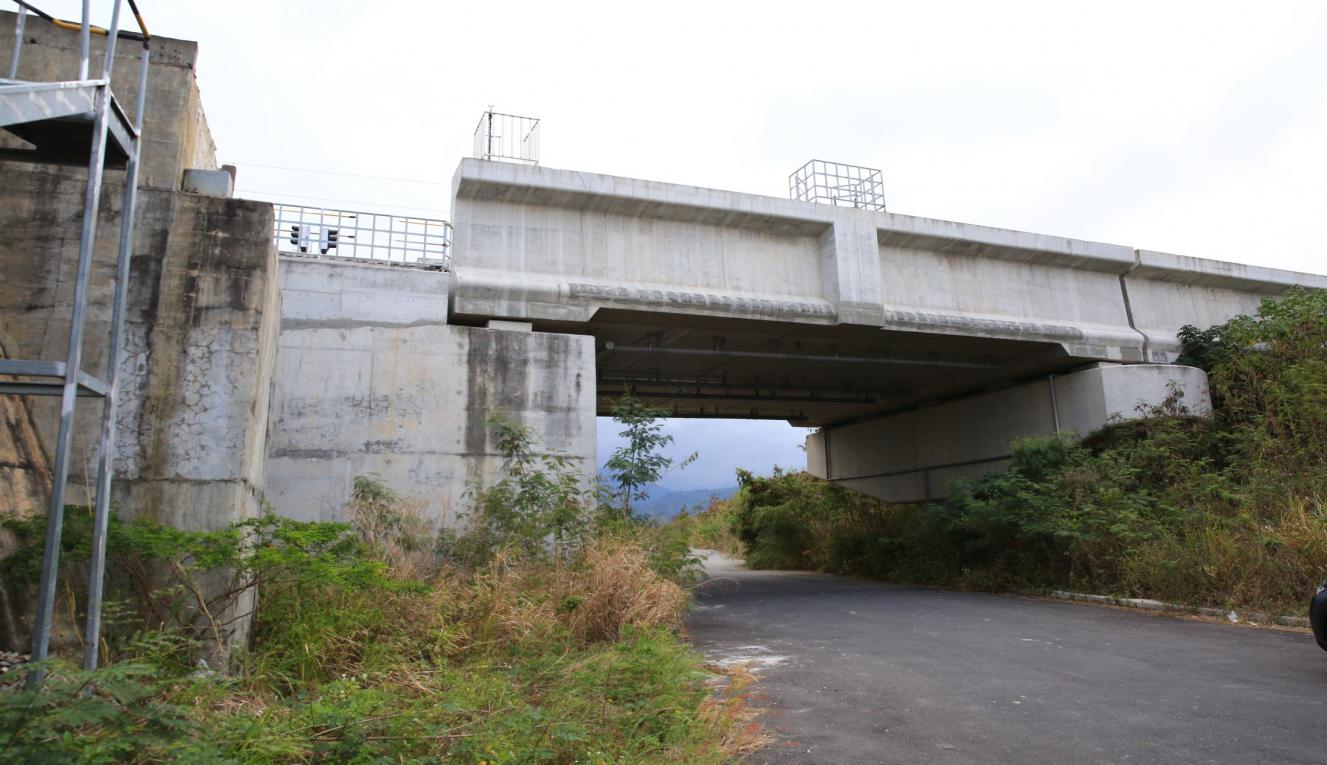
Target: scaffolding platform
59 120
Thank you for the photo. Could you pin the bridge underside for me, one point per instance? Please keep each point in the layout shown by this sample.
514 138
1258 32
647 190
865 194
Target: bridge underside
808 375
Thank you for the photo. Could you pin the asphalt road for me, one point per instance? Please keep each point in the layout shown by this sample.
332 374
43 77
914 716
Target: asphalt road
863 672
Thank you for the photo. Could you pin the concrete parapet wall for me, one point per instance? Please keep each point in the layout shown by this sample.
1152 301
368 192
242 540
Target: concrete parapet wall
1167 291
915 455
957 294
372 381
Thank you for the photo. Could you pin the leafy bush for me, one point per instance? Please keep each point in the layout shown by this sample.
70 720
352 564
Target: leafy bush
199 584
122 718
711 528
540 505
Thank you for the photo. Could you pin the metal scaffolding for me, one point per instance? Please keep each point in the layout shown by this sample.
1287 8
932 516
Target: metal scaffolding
66 120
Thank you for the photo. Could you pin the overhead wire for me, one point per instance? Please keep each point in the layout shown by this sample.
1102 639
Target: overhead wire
291 196
345 201
348 175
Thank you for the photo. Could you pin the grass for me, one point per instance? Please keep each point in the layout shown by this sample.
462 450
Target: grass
381 640
576 660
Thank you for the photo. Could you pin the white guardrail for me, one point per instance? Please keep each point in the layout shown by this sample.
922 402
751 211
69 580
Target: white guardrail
317 232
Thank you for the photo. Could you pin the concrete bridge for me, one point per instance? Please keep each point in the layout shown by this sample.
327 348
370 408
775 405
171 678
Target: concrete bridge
919 347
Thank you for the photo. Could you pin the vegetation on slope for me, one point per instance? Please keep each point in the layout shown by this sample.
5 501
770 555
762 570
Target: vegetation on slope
710 528
1226 511
543 631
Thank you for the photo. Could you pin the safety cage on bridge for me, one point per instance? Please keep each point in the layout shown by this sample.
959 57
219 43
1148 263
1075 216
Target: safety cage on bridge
834 183
507 138
318 232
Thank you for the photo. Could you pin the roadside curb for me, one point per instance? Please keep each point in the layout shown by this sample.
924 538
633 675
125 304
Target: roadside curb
1249 617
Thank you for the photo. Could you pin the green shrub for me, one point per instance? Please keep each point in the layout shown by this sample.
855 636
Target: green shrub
710 527
198 584
541 505
114 714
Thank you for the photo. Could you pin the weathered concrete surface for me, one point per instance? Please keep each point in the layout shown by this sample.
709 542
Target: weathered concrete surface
916 455
175 131
200 342
371 381
858 673
1164 289
757 304
201 329
41 213
200 333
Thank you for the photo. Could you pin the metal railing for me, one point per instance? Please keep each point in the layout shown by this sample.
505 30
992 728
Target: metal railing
317 232
834 183
507 137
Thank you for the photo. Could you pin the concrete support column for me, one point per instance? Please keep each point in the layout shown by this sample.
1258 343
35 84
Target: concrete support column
915 455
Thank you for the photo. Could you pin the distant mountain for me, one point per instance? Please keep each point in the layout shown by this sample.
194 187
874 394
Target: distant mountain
663 504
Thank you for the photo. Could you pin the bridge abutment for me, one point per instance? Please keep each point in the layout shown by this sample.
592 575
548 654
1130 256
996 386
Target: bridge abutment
371 380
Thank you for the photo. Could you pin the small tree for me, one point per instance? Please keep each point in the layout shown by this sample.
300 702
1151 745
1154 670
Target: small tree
640 462
540 499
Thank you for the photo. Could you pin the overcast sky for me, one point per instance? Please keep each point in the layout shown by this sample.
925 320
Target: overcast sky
1191 127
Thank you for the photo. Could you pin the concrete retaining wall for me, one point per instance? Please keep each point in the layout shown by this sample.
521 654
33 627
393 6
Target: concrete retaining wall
372 381
200 342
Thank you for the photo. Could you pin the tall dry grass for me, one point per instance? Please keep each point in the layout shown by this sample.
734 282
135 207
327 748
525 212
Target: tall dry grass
607 588
615 587
1265 562
394 528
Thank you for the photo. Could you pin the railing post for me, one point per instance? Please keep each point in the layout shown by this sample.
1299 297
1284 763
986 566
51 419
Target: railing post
106 460
41 621
85 41
18 41
111 37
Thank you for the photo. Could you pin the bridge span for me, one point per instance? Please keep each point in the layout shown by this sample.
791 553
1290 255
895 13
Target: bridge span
920 347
